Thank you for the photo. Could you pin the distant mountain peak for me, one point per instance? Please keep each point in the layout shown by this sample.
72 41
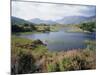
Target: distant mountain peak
73 19
39 21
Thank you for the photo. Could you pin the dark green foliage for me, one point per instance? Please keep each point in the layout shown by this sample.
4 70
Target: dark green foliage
25 25
33 27
30 28
23 28
16 28
47 28
90 26
26 63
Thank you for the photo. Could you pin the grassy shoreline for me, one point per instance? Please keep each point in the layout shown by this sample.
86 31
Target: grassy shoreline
33 56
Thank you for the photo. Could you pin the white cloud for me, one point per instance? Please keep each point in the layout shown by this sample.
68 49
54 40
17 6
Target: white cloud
29 10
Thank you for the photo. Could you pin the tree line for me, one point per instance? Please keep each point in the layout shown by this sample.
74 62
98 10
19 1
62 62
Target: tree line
30 27
89 26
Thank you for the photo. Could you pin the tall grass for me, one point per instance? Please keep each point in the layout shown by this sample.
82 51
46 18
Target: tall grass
39 59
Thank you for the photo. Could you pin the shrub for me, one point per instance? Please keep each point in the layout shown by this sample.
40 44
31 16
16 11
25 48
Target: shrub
53 67
25 63
89 26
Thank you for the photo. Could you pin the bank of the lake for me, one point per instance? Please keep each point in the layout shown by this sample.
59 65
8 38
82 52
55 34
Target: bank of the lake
34 56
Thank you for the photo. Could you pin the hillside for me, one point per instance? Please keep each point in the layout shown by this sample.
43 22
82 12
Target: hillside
18 21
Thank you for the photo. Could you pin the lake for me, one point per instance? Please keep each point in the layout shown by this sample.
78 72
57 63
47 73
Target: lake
62 40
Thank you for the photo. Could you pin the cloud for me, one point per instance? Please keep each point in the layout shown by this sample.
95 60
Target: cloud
48 11
89 11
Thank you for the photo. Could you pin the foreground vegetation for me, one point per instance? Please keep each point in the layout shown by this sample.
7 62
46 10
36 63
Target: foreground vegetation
33 57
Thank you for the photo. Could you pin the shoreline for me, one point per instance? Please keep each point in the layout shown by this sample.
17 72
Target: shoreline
27 50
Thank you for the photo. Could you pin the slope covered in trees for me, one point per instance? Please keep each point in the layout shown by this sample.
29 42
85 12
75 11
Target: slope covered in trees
89 26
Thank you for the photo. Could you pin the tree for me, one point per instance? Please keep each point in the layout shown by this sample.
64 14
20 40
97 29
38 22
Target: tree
89 26
33 27
26 25
16 28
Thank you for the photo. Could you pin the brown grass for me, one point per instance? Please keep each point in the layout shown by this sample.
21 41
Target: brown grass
40 59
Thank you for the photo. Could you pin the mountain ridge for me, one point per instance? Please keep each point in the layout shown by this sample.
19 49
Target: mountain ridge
64 20
39 21
19 21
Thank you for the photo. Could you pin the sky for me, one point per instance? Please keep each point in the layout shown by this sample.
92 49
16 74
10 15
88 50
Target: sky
48 11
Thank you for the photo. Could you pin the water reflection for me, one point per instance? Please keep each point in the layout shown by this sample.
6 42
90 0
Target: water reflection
62 40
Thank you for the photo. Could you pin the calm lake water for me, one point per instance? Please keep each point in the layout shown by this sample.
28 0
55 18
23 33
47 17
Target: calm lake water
62 40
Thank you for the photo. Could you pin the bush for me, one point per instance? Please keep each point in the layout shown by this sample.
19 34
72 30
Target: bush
91 45
25 64
90 26
53 67
23 28
82 60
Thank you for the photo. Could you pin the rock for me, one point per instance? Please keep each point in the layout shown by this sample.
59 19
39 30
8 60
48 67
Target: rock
38 42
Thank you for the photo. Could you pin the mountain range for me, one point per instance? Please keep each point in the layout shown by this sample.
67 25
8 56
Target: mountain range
75 19
38 21
64 20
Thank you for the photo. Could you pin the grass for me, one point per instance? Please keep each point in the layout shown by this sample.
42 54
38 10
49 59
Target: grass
91 45
25 33
28 56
